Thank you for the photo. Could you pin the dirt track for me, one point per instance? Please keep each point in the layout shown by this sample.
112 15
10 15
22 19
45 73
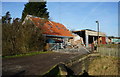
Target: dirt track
34 65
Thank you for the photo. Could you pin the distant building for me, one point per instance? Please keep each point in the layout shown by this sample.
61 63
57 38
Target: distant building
113 40
91 36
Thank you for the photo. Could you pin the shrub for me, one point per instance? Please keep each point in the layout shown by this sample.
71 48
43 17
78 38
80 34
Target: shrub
18 38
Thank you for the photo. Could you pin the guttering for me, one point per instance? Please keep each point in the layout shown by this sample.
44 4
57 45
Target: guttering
58 36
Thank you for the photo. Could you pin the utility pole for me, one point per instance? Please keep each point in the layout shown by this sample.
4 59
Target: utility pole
98 31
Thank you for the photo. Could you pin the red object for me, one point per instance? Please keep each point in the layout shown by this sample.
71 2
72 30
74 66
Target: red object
103 40
51 28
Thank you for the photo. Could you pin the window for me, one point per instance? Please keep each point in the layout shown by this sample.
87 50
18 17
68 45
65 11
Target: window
57 27
50 26
64 28
50 30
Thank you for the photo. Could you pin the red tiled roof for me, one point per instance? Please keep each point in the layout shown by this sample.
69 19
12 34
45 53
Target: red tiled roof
52 28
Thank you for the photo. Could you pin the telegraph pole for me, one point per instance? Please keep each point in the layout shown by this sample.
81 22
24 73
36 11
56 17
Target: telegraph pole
98 31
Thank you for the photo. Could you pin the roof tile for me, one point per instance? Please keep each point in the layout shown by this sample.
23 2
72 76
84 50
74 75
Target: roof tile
52 28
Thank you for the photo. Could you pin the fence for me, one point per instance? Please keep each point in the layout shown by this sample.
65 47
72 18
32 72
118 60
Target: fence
109 50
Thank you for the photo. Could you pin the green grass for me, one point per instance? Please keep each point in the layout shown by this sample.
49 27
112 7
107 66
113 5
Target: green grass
27 54
109 45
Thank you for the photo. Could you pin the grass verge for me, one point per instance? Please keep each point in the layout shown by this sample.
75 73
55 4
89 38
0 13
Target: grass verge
26 54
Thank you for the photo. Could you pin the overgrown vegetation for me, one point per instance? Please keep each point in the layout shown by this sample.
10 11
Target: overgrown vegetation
36 9
104 65
18 38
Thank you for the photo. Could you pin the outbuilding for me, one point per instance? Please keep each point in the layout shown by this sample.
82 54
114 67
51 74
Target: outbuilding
91 36
54 32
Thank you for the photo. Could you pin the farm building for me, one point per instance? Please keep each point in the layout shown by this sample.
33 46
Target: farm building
91 36
113 40
55 33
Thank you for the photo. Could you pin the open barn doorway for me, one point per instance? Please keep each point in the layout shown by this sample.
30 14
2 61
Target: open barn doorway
92 39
